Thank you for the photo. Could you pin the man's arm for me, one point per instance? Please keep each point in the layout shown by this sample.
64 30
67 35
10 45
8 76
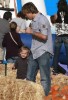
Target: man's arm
37 34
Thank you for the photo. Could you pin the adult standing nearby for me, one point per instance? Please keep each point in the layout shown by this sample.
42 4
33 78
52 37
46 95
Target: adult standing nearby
12 42
4 25
4 28
60 20
41 45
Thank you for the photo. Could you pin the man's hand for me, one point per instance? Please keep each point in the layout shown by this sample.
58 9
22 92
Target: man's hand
29 30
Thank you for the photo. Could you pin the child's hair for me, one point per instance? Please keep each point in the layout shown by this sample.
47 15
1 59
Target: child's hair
24 48
7 15
13 26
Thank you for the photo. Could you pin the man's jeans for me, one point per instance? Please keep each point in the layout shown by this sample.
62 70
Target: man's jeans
41 63
58 43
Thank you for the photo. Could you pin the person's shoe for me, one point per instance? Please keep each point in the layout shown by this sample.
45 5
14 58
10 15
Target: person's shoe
55 73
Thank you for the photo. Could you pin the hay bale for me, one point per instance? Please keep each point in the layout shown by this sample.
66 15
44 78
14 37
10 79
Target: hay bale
2 68
38 78
17 89
59 79
10 72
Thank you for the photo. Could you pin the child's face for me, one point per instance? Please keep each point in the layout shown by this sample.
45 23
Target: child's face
24 53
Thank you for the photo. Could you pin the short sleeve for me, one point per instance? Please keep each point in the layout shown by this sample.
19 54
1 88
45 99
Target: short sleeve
43 26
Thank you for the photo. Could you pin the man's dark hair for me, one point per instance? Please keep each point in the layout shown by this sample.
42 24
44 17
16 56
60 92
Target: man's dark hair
29 8
20 14
62 5
7 15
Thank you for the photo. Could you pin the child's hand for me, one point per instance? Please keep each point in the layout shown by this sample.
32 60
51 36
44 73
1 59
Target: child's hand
29 30
13 68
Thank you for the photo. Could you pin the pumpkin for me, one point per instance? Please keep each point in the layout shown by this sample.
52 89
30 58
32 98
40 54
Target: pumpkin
48 97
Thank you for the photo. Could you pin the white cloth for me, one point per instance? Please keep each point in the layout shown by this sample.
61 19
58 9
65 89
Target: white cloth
20 22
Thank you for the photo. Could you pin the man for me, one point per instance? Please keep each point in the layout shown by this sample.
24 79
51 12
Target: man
61 23
4 28
41 46
4 25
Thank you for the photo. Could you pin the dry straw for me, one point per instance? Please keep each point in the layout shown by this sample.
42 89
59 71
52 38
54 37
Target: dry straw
16 89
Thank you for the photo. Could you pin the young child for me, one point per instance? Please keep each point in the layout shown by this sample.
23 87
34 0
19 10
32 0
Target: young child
12 42
22 62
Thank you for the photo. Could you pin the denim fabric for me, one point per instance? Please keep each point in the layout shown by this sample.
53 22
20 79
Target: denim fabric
12 59
58 43
41 63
